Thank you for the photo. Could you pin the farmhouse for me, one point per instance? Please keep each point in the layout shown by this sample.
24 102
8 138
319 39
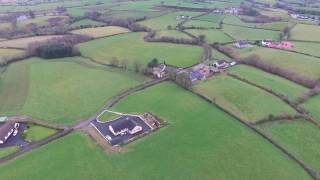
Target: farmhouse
241 44
159 71
124 125
183 17
125 128
22 18
8 129
221 64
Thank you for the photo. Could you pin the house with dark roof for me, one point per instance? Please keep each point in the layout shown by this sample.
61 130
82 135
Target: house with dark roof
241 44
221 64
8 129
123 126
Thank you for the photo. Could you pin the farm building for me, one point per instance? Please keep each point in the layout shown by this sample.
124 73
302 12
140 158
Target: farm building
8 129
22 18
160 71
277 45
241 44
221 64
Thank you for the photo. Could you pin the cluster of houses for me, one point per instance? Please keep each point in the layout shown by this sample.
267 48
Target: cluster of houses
183 17
277 45
304 17
204 70
7 130
228 10
242 44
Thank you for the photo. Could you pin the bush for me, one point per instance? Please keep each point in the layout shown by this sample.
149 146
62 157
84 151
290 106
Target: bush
51 51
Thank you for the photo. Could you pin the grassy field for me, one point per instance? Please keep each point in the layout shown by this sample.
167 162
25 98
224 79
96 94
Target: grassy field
8 150
215 18
86 22
241 33
305 32
50 90
241 99
198 23
218 55
101 31
300 138
40 21
308 48
302 65
214 144
172 33
132 14
275 25
23 42
313 106
276 83
4 53
235 20
212 35
131 47
162 22
37 133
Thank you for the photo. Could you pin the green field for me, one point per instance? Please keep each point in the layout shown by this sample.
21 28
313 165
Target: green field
9 150
131 47
218 55
36 133
212 35
313 106
299 64
202 24
215 18
60 91
308 48
132 14
305 32
170 153
270 81
275 25
300 138
86 22
172 33
98 32
162 22
241 33
241 99
40 21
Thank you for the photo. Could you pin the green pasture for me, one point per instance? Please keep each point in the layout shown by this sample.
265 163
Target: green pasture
241 99
132 48
188 148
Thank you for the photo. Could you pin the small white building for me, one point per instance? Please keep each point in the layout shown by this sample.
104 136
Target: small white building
22 18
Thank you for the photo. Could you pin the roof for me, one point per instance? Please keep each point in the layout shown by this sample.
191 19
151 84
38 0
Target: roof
196 75
5 128
242 42
221 62
124 122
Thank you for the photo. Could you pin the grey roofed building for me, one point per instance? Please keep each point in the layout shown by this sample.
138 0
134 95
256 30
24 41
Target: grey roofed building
6 130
